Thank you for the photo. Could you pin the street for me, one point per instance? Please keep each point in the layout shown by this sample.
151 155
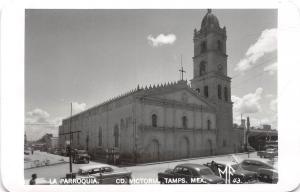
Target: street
140 171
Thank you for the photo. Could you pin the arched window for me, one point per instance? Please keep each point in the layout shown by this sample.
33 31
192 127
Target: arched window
219 92
122 123
208 124
78 138
225 93
87 141
100 136
128 119
184 122
202 68
203 47
116 135
219 45
154 120
206 91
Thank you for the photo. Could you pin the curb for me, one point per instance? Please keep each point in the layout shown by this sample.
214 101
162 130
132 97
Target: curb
46 165
194 158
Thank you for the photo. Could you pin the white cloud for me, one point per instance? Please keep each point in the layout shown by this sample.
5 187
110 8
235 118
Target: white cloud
266 43
248 103
37 116
38 123
78 107
269 96
254 122
272 68
161 39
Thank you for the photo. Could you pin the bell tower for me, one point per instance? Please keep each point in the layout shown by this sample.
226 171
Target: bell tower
210 78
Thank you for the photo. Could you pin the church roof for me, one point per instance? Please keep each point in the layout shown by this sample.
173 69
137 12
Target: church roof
169 88
148 91
209 20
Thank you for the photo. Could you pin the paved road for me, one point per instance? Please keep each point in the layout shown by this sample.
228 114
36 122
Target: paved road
139 171
151 170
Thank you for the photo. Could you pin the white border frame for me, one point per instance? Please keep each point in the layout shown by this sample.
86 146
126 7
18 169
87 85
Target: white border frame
12 92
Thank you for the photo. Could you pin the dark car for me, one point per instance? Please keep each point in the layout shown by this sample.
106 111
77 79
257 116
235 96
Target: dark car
80 156
239 175
269 153
105 174
189 174
266 169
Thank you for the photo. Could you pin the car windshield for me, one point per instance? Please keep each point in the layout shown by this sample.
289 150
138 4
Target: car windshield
81 172
206 172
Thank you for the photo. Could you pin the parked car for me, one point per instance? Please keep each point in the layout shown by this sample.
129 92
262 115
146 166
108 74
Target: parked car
63 152
27 152
239 175
189 173
268 153
105 174
80 156
266 169
249 148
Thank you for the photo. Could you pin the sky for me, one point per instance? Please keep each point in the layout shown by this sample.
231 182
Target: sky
88 56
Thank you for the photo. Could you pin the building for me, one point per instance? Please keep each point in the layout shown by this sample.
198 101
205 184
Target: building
168 121
54 142
266 127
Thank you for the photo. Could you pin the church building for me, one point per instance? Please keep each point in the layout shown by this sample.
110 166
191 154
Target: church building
168 121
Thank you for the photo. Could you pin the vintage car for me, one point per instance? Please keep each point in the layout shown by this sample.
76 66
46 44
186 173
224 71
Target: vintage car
238 176
266 169
105 174
80 156
189 173
269 153
27 152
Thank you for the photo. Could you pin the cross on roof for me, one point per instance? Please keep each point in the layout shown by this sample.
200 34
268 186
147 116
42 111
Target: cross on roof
181 70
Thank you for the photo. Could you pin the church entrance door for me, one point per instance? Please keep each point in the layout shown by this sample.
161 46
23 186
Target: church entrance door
184 149
210 149
154 150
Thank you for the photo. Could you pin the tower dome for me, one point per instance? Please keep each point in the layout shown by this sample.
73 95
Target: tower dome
209 20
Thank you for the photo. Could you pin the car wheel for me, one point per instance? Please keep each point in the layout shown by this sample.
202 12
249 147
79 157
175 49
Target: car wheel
126 180
162 181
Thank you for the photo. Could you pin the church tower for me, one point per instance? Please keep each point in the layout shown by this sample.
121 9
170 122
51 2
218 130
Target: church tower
210 75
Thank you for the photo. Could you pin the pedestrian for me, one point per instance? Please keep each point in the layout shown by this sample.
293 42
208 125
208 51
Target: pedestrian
31 151
214 166
32 180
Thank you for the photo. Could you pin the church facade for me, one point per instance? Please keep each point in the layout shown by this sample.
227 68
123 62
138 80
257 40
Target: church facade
168 121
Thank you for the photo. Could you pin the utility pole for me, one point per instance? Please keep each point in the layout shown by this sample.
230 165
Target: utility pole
247 132
71 139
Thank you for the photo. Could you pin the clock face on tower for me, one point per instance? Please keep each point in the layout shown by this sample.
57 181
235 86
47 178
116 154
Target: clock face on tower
220 67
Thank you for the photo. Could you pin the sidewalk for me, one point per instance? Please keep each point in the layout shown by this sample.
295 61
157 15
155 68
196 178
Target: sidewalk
40 159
